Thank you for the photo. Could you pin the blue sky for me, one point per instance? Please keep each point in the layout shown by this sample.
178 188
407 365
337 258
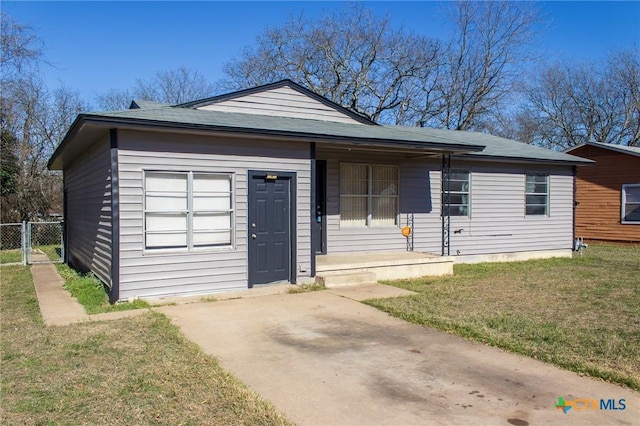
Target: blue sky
96 46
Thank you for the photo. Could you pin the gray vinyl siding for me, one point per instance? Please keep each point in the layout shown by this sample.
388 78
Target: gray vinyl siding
349 240
497 223
155 273
88 220
281 102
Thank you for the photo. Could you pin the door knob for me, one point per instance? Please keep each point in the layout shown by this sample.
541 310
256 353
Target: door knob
253 236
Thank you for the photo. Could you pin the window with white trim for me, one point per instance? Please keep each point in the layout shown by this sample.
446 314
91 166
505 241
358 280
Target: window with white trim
459 193
631 203
187 210
537 194
368 195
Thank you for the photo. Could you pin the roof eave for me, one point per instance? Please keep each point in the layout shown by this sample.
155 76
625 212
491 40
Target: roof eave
509 159
71 133
146 123
607 146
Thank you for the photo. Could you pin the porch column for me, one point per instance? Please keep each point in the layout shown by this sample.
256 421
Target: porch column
446 203
314 228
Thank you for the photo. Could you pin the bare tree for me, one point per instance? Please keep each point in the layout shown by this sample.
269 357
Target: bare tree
172 87
21 50
482 63
40 118
115 99
569 104
34 119
351 57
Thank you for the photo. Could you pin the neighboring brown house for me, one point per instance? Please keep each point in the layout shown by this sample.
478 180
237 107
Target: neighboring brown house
608 193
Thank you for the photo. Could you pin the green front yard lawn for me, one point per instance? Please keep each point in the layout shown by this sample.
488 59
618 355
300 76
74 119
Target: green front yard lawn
139 370
10 256
582 314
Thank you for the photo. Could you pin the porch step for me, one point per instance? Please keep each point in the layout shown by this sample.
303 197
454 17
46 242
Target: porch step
345 278
386 265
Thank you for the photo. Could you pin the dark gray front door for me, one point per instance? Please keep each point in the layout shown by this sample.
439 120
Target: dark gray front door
270 227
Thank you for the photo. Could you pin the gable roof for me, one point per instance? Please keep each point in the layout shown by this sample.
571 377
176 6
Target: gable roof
185 117
278 84
631 150
285 128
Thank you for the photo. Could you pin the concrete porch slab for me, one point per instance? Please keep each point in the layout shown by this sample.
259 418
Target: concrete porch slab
387 265
370 291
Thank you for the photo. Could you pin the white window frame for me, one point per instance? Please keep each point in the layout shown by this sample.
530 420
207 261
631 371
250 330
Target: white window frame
624 204
467 193
369 196
547 194
190 212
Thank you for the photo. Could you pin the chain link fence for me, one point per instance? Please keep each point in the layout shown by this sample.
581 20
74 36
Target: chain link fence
31 242
44 241
12 244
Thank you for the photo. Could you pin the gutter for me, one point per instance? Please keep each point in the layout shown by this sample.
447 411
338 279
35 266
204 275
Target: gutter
508 159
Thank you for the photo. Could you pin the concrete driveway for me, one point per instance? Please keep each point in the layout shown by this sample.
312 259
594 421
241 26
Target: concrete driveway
325 359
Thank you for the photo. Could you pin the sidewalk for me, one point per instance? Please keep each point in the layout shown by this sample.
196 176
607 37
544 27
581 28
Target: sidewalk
57 306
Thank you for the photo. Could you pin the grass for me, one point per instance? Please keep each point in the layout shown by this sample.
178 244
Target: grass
10 256
582 314
91 294
131 371
87 288
53 252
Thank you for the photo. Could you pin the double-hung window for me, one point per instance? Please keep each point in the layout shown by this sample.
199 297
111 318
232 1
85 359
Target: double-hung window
188 210
459 193
536 194
631 203
368 195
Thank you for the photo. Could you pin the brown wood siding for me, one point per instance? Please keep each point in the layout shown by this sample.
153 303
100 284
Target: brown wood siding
598 190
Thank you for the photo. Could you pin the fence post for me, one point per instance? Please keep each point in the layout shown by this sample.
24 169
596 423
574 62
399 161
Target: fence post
23 242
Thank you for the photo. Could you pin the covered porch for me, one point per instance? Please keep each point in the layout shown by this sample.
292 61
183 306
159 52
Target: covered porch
335 270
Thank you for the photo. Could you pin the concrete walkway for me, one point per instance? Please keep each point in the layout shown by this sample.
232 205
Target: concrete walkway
325 359
57 306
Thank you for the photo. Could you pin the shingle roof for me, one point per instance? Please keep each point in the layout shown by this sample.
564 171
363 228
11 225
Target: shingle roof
255 123
474 145
632 150
499 148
